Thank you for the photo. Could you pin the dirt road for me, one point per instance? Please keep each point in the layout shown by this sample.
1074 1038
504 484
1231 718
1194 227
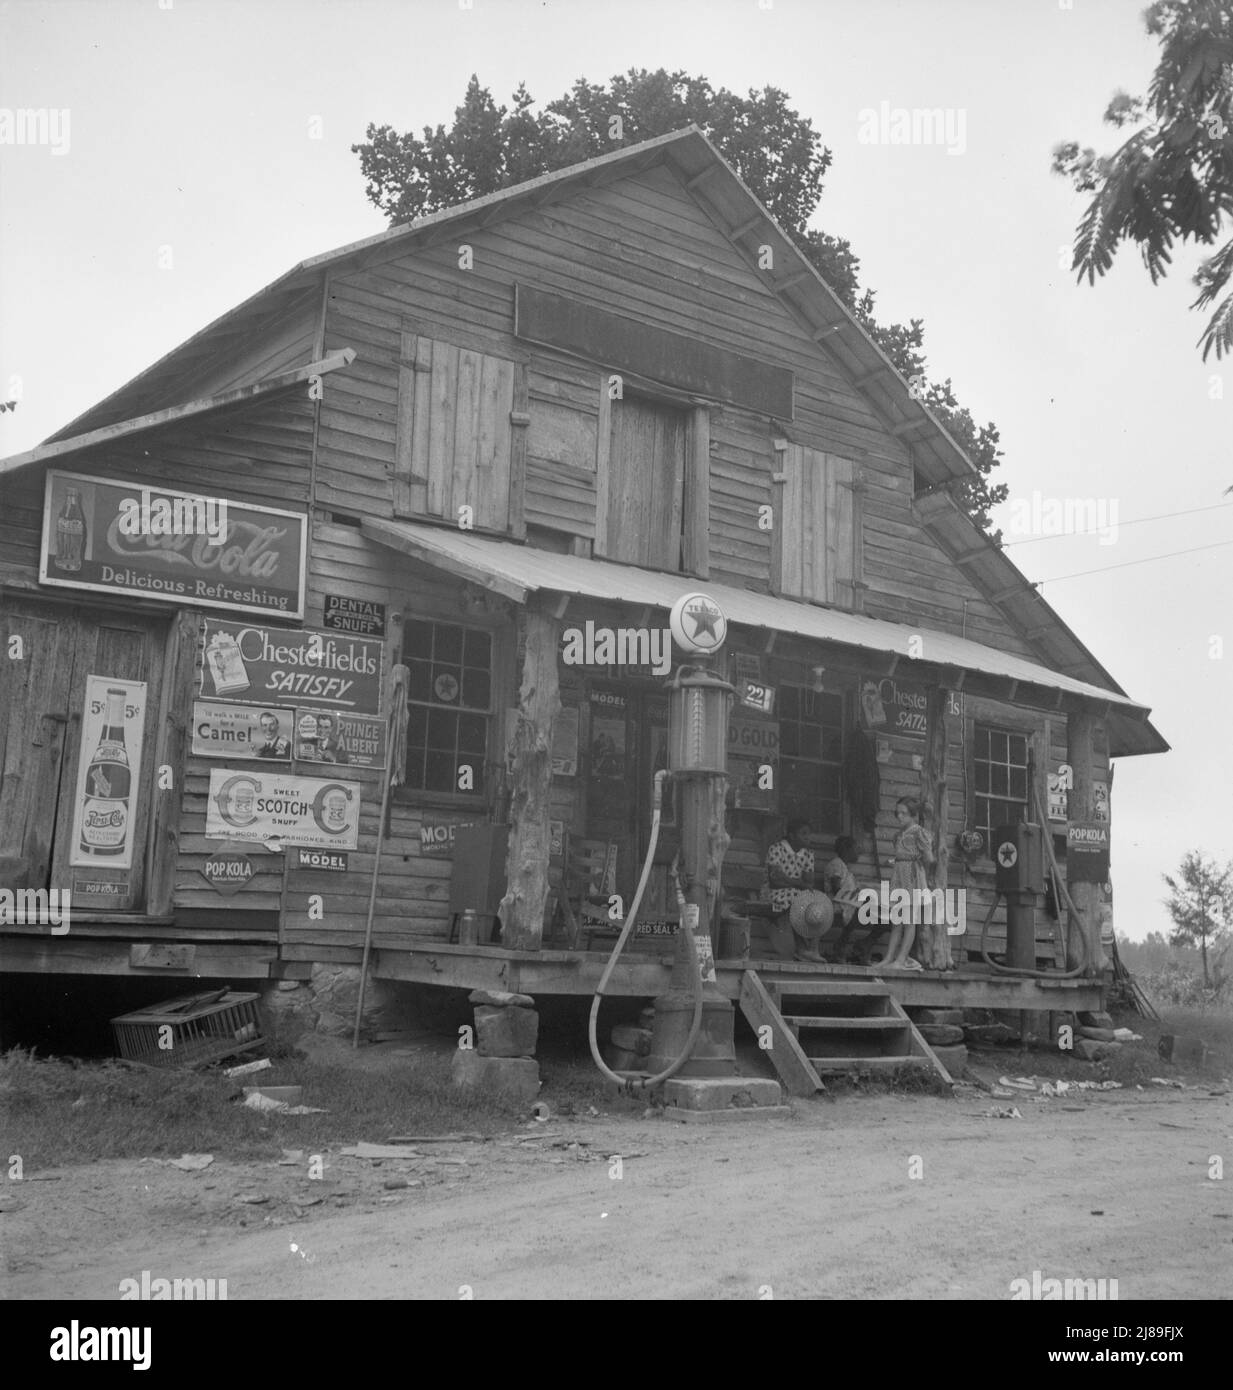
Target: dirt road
1111 1185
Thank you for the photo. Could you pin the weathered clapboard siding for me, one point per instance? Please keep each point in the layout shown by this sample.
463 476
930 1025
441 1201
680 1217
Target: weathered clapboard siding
412 887
562 445
646 247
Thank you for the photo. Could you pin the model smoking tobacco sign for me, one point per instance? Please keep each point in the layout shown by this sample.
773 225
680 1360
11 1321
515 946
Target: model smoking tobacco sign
280 666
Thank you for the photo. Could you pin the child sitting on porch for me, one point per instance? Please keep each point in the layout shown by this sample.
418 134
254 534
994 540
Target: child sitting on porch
913 854
841 885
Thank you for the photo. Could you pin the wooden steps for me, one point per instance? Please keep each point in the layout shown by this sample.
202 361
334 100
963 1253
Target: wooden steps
832 1027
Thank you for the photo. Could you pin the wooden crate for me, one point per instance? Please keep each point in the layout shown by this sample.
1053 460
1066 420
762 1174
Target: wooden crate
203 1028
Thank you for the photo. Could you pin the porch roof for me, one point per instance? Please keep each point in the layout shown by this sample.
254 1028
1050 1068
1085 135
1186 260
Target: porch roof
520 571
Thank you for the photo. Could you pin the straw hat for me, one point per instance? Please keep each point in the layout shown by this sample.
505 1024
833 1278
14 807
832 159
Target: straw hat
811 912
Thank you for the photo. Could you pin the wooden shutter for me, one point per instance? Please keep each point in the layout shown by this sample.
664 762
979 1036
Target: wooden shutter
456 440
819 525
34 720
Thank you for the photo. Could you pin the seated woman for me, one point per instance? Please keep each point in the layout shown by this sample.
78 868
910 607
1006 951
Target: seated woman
790 870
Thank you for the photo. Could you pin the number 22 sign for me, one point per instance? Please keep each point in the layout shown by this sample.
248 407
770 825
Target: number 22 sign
756 696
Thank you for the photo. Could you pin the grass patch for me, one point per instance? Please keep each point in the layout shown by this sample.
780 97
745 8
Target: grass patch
56 1111
1134 1063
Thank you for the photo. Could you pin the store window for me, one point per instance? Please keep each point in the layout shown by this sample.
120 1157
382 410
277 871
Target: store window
1000 767
810 756
449 706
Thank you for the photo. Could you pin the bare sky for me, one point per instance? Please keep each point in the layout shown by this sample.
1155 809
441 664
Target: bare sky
190 139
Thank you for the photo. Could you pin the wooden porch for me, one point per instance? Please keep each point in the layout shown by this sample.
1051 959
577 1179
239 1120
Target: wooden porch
645 975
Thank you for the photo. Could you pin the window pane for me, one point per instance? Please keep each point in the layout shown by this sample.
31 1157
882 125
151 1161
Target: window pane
1018 749
998 780
442 729
446 684
448 647
420 687
982 776
476 689
1018 783
439 773
472 729
998 746
478 648
417 725
789 739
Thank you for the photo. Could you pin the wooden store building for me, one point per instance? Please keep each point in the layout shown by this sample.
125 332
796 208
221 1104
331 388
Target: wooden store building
488 446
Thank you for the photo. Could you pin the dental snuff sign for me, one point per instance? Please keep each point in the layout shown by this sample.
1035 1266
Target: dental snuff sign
257 807
250 664
116 537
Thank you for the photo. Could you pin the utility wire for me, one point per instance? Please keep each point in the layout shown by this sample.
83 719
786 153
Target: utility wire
1127 564
1137 521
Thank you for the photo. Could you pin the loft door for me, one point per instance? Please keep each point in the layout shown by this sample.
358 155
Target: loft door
646 484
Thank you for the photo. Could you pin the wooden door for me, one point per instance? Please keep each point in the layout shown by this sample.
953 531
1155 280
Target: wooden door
42 697
127 647
36 668
646 484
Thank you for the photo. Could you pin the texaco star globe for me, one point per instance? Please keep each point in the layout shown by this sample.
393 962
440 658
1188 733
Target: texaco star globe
698 624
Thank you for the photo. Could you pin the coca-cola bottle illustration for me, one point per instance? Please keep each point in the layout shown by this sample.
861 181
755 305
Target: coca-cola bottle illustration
70 533
105 813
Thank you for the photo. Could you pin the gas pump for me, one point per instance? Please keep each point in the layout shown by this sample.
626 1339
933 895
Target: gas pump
1019 878
692 1034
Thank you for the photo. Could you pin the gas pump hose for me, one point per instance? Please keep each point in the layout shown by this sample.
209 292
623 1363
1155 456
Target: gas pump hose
1070 903
644 1083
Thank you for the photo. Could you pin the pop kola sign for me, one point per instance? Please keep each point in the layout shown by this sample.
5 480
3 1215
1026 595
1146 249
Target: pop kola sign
118 537
256 807
108 773
240 662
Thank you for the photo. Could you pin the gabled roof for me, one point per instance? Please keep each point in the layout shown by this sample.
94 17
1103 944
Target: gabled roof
713 182
710 179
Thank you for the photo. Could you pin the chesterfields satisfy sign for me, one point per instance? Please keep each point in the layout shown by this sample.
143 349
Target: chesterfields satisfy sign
277 666
119 537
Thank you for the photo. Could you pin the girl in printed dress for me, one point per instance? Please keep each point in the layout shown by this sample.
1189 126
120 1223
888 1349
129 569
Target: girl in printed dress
913 856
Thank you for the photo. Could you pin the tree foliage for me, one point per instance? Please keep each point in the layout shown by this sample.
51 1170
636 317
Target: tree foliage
773 149
1201 905
1172 179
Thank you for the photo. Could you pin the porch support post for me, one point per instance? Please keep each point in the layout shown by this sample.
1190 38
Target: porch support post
1085 933
529 756
935 798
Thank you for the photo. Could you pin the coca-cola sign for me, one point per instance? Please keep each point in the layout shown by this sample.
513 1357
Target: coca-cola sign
120 537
